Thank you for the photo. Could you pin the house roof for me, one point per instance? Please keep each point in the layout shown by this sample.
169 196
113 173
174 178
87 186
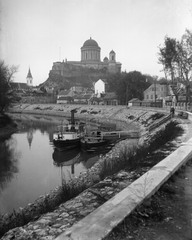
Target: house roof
87 96
80 96
65 98
110 95
134 100
103 80
177 90
95 99
18 85
38 91
64 92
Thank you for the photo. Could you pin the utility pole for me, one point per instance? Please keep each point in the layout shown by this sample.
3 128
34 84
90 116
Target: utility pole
59 54
155 81
187 95
155 93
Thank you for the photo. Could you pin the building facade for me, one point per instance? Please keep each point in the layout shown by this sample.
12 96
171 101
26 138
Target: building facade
156 92
100 87
90 58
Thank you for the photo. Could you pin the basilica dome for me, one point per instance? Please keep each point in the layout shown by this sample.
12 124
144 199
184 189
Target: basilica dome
90 43
90 52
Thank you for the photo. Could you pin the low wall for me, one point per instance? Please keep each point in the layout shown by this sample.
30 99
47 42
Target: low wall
190 116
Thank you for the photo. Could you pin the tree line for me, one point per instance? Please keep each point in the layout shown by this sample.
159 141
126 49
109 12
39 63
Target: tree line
129 85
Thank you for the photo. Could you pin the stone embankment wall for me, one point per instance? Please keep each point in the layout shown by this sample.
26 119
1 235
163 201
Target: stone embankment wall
50 225
124 117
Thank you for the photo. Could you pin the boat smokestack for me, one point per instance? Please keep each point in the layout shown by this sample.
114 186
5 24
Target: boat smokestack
73 117
73 120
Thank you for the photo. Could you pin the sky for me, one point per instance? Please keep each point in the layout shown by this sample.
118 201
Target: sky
36 33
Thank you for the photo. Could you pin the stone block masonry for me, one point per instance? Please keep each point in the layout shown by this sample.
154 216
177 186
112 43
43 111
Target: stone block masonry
102 221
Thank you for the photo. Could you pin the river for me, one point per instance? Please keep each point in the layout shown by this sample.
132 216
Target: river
30 166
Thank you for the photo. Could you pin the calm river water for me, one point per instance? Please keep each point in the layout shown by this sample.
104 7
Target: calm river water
29 164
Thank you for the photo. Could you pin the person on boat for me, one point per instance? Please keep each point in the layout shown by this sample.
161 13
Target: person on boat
59 136
98 133
172 111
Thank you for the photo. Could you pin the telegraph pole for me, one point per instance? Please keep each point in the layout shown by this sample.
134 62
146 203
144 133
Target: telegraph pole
155 79
155 93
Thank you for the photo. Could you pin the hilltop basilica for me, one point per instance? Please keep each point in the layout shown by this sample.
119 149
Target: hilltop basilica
90 59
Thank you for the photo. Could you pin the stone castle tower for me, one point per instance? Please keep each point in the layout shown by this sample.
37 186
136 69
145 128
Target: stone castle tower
29 78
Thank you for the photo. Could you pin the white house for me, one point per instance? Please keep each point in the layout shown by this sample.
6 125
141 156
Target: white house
100 87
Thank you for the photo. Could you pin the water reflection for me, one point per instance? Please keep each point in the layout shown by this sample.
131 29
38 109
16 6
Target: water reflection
30 165
75 157
8 162
66 158
30 136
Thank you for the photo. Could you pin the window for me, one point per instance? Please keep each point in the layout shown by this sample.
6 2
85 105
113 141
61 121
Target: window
151 96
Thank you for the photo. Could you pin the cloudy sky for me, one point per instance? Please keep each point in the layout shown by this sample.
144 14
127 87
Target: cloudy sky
39 32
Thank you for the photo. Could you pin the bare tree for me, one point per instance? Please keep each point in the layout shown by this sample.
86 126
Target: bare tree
6 76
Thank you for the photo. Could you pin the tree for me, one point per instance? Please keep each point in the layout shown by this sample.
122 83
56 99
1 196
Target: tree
113 81
184 61
168 57
128 85
176 58
8 164
6 76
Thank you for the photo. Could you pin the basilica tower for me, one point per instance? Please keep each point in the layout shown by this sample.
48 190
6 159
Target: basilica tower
112 56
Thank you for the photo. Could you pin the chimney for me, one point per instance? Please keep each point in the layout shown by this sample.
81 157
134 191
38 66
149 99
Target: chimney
72 120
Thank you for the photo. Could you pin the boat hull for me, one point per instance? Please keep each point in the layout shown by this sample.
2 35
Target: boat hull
66 144
93 144
66 158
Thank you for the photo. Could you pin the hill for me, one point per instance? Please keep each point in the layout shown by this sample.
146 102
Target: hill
80 76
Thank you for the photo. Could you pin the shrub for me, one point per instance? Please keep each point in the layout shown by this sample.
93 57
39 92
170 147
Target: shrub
83 111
